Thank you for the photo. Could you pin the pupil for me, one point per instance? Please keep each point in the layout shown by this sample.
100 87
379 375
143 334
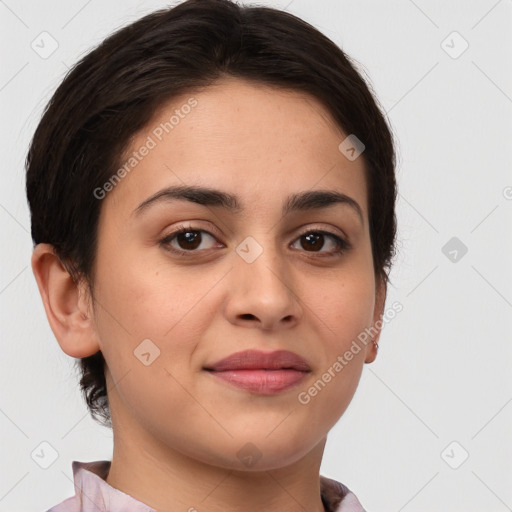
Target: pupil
191 238
313 240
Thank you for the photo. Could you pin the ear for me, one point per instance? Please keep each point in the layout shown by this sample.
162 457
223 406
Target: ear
67 304
378 312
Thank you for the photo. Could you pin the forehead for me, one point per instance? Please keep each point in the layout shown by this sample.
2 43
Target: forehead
258 142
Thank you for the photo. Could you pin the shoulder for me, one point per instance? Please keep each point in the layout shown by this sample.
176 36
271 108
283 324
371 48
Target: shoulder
337 497
68 505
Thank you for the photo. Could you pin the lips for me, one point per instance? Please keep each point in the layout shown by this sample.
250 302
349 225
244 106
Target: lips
262 373
257 360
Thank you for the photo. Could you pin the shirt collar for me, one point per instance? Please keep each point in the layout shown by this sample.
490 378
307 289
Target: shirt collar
95 494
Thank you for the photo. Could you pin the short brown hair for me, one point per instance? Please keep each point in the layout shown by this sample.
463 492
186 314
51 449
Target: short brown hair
115 90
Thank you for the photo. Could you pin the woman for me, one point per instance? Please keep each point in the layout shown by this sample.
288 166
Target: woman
212 196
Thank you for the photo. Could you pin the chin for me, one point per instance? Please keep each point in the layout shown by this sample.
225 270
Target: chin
261 452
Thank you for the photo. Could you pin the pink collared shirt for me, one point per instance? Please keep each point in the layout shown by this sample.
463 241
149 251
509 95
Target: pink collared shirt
94 494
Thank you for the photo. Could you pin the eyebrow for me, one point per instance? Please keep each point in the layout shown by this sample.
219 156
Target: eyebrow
303 201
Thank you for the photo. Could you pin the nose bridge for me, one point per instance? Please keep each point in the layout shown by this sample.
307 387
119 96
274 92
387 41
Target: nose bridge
261 261
262 281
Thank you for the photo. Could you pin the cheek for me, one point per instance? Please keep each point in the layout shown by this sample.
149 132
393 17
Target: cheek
143 296
150 301
147 337
345 312
345 305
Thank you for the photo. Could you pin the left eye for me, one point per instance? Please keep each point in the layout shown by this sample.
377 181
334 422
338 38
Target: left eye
316 239
189 239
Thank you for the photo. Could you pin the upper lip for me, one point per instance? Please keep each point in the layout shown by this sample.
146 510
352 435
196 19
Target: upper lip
257 360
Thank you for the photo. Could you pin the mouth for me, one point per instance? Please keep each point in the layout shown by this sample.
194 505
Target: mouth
263 373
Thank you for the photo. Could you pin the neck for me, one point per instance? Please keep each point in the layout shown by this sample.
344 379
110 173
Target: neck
167 480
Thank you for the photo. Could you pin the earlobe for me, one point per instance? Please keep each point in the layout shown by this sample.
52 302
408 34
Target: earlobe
68 313
380 302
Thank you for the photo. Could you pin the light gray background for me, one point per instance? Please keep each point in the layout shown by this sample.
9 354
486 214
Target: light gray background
443 372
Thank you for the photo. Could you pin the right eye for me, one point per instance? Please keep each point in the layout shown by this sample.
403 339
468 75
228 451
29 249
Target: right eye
188 239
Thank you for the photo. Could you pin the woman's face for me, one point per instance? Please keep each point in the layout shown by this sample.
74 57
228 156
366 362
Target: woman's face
167 308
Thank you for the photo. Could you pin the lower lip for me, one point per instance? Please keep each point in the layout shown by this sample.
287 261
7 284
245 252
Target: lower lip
263 382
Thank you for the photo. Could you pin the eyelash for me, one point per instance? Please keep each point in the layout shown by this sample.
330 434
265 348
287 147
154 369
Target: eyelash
342 245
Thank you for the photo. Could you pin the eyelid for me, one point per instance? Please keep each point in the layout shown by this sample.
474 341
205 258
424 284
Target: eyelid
306 228
192 226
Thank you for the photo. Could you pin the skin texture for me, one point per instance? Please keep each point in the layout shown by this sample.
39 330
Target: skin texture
177 429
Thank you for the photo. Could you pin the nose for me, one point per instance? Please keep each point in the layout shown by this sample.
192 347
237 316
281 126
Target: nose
263 293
